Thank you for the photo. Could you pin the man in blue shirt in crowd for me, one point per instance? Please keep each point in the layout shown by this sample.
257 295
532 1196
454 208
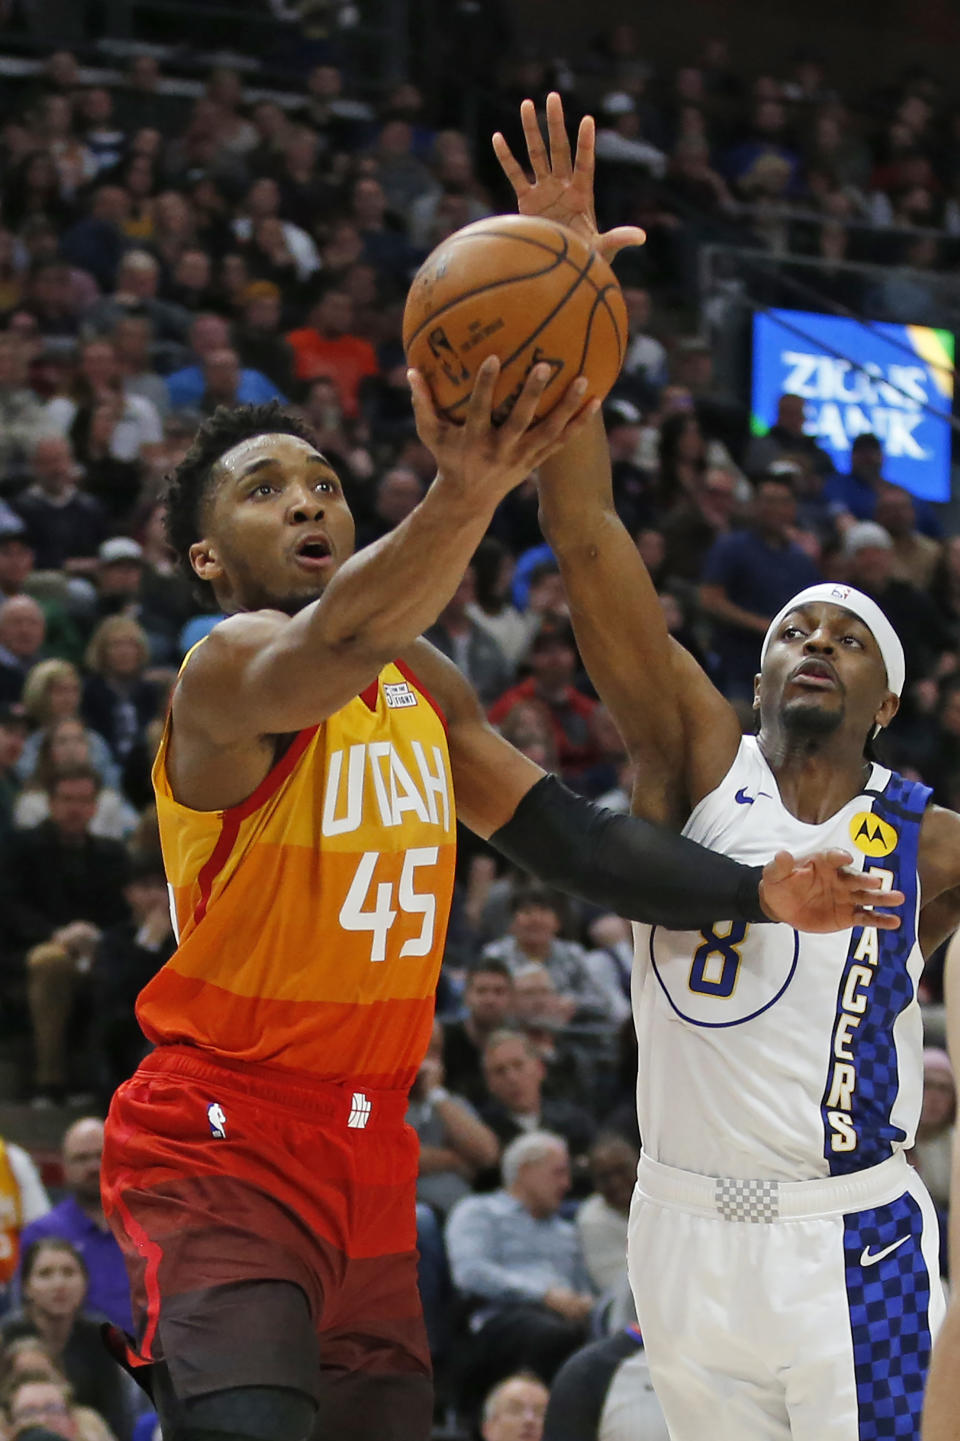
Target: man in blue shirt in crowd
856 492
210 335
79 1219
747 577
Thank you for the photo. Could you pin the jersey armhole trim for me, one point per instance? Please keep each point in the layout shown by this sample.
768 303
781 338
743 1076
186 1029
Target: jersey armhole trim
274 778
410 676
232 816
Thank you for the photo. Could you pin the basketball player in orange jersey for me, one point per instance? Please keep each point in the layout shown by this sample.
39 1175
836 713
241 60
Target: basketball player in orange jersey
257 1170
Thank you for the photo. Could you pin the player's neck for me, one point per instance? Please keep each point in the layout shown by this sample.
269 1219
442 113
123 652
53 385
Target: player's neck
816 777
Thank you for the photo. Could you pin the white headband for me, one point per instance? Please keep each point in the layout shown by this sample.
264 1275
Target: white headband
864 609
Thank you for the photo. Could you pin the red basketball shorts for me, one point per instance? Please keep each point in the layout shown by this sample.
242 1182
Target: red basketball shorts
216 1175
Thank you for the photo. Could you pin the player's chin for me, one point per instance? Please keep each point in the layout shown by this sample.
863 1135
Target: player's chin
816 712
294 601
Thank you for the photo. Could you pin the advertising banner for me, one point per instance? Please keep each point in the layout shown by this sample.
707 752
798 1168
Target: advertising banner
893 380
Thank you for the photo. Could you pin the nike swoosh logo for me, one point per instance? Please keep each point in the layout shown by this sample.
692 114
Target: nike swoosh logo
870 1258
742 799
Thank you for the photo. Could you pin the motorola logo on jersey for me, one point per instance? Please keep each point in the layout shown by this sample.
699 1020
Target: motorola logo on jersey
873 836
718 977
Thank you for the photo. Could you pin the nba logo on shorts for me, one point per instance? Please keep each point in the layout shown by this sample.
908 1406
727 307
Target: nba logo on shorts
218 1121
360 1109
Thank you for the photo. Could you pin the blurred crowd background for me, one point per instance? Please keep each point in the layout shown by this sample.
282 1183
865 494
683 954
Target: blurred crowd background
237 218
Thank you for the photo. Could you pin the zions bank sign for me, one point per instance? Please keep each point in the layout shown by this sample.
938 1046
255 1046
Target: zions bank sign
893 380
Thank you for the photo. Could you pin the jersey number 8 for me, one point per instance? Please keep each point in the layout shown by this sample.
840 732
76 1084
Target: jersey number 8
707 976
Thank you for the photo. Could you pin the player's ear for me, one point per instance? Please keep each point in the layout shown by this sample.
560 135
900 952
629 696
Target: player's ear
756 691
203 558
887 711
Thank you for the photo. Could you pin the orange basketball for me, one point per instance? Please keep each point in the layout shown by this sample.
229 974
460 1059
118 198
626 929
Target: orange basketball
523 289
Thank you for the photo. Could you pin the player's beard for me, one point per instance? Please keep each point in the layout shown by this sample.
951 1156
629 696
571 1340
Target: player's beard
810 724
294 604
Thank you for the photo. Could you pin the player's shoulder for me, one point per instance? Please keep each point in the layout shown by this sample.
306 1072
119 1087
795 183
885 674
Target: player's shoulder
214 667
745 766
231 641
940 831
938 856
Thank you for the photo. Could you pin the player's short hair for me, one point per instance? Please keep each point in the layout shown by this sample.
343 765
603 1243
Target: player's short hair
190 484
528 1148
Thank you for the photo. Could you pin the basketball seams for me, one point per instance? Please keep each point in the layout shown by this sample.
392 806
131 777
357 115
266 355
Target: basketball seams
450 410
560 257
454 331
600 303
602 299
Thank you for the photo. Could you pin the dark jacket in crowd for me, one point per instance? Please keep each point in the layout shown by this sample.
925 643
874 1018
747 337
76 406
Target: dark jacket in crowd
45 884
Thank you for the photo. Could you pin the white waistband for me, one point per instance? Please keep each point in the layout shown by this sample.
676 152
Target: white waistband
739 1200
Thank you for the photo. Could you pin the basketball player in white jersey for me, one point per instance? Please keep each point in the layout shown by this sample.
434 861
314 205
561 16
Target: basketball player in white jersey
783 1254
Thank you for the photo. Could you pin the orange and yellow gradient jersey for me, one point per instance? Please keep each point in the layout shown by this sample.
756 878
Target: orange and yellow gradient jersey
311 917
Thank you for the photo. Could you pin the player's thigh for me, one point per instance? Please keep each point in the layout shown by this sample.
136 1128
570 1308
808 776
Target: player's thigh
375 1322
702 1330
241 1413
376 1375
241 1335
862 1370
361 1405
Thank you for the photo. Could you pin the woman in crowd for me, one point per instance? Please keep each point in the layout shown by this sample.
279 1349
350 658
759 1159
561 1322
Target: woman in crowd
108 429
52 693
28 1361
683 457
67 743
165 601
53 1288
118 701
492 608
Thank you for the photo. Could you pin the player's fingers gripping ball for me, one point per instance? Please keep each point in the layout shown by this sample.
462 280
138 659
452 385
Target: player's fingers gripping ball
526 290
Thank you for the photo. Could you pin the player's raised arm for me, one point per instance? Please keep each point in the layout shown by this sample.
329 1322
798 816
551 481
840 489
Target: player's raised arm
680 733
273 673
640 871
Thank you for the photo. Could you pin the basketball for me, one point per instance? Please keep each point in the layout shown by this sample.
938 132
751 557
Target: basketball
525 290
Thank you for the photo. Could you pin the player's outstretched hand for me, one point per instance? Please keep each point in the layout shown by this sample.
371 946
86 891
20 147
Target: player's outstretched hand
484 458
561 188
820 894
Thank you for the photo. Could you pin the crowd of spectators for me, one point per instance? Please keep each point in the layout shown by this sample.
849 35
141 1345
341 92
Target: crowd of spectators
162 256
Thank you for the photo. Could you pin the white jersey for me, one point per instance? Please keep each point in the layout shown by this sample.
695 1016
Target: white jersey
773 1055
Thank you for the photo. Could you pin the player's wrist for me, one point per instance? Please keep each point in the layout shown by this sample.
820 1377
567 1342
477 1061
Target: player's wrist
755 897
437 1095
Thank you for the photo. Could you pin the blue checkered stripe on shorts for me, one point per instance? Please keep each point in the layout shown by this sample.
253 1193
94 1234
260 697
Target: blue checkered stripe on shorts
889 1304
902 805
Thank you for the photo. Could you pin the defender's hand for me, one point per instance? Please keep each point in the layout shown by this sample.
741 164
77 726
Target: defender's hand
561 190
820 894
481 458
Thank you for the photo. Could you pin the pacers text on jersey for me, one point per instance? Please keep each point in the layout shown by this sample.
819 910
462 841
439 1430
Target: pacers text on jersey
854 1000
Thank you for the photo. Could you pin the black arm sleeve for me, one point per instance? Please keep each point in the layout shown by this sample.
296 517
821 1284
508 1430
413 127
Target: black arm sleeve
638 870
